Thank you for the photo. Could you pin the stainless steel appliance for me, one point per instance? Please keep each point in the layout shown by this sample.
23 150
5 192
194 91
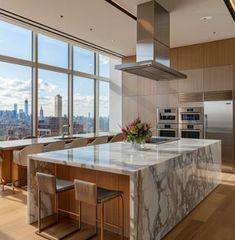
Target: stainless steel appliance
190 115
219 125
191 131
152 48
167 130
167 115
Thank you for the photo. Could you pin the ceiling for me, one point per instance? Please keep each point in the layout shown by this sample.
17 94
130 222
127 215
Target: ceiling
116 31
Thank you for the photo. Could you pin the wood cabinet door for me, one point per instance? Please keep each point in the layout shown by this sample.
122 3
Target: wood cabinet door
218 78
193 83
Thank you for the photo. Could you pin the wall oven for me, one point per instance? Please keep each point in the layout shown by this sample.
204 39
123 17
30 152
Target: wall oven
191 131
191 115
167 130
167 115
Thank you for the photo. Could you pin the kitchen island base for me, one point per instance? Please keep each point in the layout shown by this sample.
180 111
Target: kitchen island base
161 185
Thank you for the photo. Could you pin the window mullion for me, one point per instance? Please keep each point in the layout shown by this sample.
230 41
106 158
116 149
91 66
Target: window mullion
70 89
35 85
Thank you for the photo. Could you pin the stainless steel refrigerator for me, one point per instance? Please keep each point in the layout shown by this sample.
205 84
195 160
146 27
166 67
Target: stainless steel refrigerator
218 124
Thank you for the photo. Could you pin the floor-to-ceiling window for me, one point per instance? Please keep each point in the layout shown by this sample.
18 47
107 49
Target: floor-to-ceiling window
83 105
52 102
40 73
15 82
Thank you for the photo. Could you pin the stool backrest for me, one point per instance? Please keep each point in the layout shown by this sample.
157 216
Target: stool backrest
12 138
29 137
20 156
46 183
117 138
54 146
100 140
81 142
85 192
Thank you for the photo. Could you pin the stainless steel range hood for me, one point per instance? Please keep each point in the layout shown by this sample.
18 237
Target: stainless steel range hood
152 49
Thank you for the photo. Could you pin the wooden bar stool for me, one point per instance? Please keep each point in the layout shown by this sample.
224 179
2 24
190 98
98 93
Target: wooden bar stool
20 158
49 184
89 193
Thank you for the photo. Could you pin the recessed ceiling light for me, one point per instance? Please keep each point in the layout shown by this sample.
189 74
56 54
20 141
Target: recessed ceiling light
206 18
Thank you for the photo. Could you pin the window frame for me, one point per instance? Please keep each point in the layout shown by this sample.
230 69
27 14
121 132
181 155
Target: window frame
35 65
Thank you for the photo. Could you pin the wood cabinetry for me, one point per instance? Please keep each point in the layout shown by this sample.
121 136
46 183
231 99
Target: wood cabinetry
193 83
167 87
190 57
218 78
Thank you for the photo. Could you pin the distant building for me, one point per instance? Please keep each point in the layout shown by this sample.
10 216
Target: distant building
26 107
41 114
58 105
15 108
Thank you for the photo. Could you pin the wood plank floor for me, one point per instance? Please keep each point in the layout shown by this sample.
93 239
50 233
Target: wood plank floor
213 219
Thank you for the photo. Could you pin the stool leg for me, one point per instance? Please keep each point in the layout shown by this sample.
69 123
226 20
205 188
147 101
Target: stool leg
56 207
39 211
122 226
102 222
96 220
80 214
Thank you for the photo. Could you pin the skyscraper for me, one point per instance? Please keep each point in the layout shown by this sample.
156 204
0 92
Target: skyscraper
41 114
58 106
26 107
15 107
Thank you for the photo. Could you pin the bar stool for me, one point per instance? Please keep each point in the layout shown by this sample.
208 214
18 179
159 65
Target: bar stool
49 184
1 180
89 193
54 146
20 157
99 140
117 138
81 142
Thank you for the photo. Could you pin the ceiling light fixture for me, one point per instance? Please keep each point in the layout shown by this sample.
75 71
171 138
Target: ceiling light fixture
231 7
206 18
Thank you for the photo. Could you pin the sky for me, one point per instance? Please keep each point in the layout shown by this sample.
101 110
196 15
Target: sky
15 80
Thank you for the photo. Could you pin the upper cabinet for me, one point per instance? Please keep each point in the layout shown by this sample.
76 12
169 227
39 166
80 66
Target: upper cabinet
218 78
219 53
193 82
190 57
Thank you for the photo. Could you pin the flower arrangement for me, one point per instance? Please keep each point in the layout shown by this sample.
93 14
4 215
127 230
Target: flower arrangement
137 132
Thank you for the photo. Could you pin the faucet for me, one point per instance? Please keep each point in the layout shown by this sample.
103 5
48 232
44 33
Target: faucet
63 132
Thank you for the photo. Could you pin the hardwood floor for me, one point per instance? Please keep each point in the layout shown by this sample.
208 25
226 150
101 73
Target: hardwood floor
213 219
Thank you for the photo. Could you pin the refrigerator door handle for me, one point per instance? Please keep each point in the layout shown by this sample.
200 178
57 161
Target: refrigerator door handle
206 125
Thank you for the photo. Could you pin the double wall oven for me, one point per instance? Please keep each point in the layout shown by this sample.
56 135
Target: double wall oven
191 122
182 122
167 119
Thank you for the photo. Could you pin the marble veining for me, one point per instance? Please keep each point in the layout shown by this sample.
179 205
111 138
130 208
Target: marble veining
166 181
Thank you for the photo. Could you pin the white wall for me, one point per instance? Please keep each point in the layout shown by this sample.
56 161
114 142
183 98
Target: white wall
115 97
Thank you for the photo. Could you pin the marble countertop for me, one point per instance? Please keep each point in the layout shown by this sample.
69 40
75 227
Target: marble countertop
14 144
121 157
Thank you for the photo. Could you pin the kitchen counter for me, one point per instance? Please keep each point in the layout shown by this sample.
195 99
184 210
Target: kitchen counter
166 181
9 172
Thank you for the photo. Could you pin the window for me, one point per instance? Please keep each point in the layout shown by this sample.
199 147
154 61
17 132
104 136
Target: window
83 105
15 99
104 106
90 75
15 41
52 102
84 60
52 51
104 66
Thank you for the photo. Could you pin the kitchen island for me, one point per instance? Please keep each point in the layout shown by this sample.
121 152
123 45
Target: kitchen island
161 184
10 172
